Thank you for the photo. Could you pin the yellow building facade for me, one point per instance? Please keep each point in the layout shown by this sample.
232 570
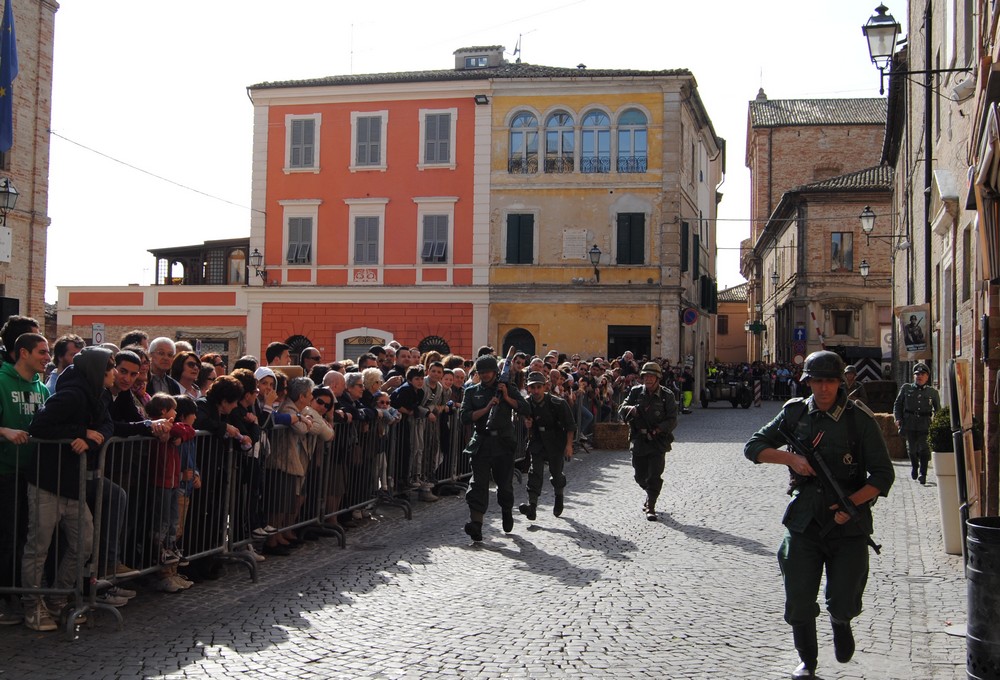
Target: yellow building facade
602 214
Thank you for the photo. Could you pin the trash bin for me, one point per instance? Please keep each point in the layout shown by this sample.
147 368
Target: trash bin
982 637
947 482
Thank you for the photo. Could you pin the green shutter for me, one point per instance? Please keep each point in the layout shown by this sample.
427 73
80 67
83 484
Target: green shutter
685 255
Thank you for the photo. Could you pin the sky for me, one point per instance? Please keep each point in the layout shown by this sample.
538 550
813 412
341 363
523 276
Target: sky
152 126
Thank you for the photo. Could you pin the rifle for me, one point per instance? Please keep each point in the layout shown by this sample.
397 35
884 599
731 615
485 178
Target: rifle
827 479
505 379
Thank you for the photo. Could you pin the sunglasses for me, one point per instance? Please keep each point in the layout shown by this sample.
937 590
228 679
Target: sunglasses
219 365
192 364
323 403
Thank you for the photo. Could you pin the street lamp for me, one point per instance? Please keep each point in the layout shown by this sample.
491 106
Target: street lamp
8 199
595 259
774 278
881 31
257 262
867 218
865 270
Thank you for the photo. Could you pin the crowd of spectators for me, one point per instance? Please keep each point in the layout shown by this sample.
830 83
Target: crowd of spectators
387 417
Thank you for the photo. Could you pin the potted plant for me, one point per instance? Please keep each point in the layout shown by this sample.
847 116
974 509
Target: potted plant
943 454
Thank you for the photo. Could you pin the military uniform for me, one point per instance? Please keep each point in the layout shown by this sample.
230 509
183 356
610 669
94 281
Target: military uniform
652 417
491 449
551 420
914 406
855 452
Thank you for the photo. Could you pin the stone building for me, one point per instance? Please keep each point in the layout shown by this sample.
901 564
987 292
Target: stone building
814 169
26 165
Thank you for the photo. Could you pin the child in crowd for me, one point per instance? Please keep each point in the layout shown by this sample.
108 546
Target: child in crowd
387 417
183 431
165 469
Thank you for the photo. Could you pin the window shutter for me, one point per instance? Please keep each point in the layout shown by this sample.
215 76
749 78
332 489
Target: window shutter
696 259
638 239
623 239
685 255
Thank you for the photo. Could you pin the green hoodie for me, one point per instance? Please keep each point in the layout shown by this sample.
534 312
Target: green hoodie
19 400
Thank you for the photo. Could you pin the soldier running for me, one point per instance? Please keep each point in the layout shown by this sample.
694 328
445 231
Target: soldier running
550 440
651 412
488 407
818 531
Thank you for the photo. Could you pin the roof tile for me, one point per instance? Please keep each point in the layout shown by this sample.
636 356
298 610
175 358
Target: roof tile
782 112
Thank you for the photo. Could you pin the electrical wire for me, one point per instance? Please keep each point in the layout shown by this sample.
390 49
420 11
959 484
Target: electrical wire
151 174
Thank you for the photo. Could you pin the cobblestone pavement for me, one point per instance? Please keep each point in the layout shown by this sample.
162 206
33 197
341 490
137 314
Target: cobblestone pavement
598 593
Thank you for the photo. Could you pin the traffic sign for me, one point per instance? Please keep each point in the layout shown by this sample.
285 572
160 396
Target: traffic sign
97 333
799 334
799 347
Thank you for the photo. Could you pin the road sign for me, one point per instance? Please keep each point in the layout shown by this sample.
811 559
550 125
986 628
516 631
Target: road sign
799 347
798 359
799 334
97 333
690 316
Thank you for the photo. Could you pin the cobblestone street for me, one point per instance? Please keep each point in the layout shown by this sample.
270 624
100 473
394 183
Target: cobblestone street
599 592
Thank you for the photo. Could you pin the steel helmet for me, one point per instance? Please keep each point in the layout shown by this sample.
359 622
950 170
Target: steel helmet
486 363
652 368
823 364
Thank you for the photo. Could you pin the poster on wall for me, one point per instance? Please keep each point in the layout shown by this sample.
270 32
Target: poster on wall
914 330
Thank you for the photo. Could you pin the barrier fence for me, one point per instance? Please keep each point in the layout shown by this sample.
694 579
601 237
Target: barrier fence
150 507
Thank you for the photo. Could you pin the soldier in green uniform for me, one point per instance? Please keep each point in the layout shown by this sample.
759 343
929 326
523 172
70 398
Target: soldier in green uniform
817 533
488 407
651 412
855 388
915 404
550 441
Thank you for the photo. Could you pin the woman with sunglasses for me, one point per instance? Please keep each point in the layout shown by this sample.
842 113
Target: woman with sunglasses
185 369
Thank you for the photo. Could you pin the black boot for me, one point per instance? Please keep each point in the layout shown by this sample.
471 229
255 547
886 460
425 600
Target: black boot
843 640
804 636
557 505
528 510
475 530
649 507
913 472
508 520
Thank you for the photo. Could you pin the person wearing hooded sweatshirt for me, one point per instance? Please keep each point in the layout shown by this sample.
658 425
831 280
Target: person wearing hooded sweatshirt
79 413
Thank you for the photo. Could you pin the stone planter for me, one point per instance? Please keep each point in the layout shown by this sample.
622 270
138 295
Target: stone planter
947 482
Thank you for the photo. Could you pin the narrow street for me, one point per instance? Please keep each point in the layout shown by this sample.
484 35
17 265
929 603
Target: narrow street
599 592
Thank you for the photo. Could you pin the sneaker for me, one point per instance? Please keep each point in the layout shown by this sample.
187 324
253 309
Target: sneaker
125 571
114 600
254 554
181 583
427 496
181 560
37 617
118 591
259 532
167 557
167 585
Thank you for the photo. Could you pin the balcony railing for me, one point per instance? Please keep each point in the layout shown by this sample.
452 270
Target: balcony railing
631 164
523 165
556 164
595 164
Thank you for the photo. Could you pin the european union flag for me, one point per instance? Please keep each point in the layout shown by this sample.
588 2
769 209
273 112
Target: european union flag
8 71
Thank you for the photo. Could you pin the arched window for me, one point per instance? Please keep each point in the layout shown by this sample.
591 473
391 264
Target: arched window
521 339
237 267
523 144
559 142
632 147
595 153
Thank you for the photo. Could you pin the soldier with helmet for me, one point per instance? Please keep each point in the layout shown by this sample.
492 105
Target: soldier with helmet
818 533
651 412
488 406
915 404
855 388
550 441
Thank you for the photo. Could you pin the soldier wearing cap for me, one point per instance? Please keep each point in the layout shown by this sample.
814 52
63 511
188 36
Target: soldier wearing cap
855 389
818 534
488 407
550 440
651 412
915 404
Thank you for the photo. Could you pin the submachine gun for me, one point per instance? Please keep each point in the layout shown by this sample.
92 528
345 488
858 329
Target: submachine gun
505 379
827 479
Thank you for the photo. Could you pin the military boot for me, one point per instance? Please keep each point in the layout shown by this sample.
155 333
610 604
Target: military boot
528 510
843 640
474 527
650 508
804 636
508 520
557 505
